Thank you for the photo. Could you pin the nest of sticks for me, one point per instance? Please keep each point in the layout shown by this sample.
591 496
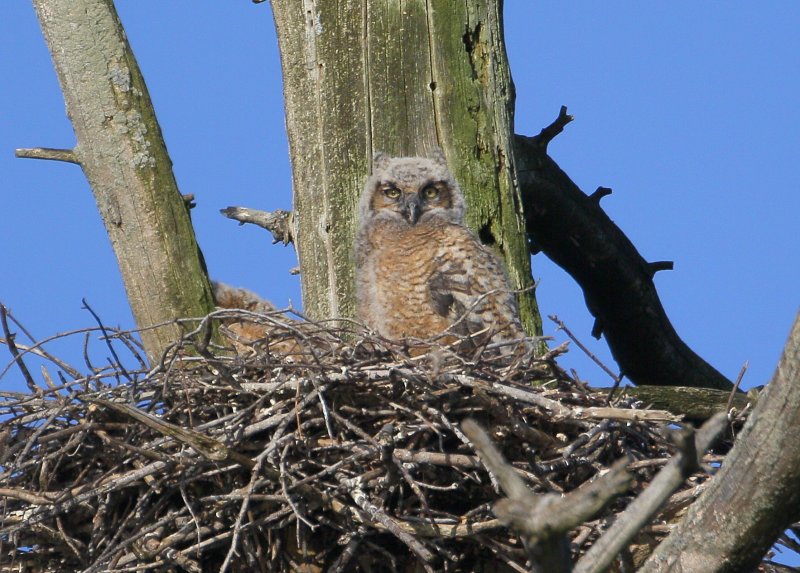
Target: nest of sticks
315 448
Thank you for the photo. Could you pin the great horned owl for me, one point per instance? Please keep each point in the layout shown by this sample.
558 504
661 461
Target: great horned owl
419 270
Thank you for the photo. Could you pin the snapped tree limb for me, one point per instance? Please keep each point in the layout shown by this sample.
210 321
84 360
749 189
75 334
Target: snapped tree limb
279 222
544 519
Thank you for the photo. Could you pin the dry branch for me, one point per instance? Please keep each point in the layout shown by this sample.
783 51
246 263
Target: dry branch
48 153
641 510
695 404
279 222
545 520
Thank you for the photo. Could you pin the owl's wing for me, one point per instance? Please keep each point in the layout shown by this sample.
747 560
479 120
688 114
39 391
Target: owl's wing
458 295
449 293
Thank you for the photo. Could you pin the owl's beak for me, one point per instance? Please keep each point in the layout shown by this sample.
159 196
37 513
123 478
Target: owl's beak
412 209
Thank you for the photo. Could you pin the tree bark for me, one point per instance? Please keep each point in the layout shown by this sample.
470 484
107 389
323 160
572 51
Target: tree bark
120 148
403 78
755 495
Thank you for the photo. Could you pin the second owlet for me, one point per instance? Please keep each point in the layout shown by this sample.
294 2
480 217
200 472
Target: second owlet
419 270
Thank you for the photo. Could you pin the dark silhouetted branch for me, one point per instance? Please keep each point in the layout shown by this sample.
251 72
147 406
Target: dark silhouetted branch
573 231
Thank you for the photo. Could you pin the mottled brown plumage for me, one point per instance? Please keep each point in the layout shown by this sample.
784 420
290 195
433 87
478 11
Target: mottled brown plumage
419 271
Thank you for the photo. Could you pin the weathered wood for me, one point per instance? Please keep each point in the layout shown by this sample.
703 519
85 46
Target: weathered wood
120 148
404 78
641 510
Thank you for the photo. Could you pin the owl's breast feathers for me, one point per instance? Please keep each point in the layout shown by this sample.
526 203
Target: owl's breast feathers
419 281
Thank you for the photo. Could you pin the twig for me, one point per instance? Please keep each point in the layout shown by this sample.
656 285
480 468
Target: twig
617 378
255 471
736 385
375 514
345 556
12 347
283 477
205 446
50 153
37 348
551 131
27 496
107 339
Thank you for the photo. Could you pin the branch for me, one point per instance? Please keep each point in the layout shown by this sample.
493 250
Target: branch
12 347
279 222
646 505
544 520
551 131
377 515
207 447
572 230
558 410
754 497
695 404
50 153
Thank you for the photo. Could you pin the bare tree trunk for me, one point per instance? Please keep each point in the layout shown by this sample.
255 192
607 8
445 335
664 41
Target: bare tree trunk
756 494
120 148
403 78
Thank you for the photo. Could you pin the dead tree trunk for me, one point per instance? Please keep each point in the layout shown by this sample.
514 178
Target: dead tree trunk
404 78
120 148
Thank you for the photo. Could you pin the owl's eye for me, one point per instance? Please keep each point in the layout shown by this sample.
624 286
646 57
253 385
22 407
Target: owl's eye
430 192
391 192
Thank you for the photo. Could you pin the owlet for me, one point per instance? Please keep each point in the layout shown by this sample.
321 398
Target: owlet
420 273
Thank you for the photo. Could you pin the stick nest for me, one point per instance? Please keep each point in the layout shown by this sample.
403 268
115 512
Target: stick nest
313 449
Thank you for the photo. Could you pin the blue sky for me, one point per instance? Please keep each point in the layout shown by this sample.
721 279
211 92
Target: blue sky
689 113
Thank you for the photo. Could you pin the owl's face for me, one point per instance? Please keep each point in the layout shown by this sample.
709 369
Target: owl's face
411 189
411 203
